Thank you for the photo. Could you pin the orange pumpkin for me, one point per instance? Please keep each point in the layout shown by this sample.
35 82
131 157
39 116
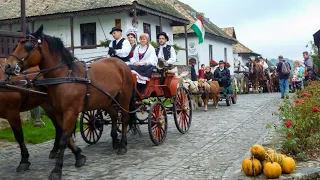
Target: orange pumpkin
251 166
258 152
283 156
288 165
275 157
272 170
270 151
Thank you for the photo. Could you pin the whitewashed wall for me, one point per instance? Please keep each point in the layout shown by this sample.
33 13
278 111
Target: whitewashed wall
202 51
61 28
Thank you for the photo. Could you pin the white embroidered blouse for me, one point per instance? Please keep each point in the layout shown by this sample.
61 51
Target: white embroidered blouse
144 54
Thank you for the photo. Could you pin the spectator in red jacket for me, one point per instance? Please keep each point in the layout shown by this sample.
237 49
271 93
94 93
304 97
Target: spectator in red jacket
201 72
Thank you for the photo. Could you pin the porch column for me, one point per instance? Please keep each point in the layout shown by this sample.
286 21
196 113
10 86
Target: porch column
186 43
160 21
23 17
71 33
134 21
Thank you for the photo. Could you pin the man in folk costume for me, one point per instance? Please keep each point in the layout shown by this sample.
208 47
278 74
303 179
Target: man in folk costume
165 52
222 75
120 47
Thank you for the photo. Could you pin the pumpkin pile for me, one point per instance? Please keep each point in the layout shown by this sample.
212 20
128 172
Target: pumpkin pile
268 162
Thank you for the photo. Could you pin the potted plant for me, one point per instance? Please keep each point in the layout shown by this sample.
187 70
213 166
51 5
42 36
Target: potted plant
105 43
213 63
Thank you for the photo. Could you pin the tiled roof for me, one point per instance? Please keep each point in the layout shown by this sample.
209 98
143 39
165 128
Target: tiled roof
10 9
210 28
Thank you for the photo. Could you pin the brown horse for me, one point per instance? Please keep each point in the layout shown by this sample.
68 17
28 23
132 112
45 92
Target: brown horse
209 91
14 102
256 75
275 81
110 81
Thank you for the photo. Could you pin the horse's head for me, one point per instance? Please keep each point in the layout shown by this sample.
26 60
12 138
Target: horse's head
202 85
38 49
28 53
2 64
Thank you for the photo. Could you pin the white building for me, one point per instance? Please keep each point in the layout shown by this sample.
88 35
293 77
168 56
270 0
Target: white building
217 44
82 24
240 52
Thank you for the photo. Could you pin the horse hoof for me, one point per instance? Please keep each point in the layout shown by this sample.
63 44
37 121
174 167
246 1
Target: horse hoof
53 154
116 144
122 151
81 161
205 109
55 174
23 167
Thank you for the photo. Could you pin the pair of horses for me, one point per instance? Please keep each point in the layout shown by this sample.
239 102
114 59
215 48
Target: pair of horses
105 82
202 90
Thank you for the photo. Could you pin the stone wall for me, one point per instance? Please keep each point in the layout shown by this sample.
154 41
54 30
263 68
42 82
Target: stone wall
24 117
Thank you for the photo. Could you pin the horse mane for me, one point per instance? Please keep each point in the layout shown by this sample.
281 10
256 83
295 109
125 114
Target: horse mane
56 46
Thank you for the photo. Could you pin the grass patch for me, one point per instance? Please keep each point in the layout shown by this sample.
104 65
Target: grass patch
32 134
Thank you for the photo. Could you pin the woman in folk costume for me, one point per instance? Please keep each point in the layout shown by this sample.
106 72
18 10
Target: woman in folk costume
143 61
132 38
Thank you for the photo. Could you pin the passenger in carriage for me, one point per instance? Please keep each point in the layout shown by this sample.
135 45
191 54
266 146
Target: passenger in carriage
132 36
143 61
222 75
120 47
208 76
165 52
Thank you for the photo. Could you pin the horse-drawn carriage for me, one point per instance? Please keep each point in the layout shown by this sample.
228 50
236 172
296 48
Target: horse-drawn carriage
229 94
168 100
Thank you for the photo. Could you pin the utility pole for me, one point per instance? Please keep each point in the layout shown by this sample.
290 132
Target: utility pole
38 122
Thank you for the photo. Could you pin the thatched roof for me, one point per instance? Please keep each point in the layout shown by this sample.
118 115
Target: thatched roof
210 28
10 9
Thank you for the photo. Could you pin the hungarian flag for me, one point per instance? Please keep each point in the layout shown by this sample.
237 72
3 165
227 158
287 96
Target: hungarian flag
198 28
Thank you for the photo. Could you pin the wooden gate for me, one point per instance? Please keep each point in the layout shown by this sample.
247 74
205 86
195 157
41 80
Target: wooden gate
8 41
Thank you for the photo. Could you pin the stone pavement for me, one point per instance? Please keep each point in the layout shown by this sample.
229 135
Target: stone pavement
213 148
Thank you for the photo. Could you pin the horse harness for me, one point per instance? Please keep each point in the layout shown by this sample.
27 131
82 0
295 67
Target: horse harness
60 80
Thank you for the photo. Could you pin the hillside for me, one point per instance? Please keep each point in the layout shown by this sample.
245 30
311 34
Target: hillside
276 61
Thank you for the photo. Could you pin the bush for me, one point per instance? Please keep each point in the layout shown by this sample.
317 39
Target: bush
300 122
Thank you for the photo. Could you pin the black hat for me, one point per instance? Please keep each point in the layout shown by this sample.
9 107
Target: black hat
163 34
221 62
115 29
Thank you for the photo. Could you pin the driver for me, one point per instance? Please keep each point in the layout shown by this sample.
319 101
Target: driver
222 75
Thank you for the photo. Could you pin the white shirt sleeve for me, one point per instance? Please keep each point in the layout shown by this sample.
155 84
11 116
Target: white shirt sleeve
173 57
135 57
151 57
125 50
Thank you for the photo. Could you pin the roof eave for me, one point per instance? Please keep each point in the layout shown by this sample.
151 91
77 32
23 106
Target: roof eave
249 53
99 11
177 20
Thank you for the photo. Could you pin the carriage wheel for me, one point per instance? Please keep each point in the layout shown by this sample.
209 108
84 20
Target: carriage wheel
234 97
228 100
91 126
157 123
182 110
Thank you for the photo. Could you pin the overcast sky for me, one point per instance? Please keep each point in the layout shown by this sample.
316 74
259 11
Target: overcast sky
268 27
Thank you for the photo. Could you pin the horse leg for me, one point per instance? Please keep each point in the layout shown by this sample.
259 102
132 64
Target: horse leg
48 110
69 121
216 99
205 101
15 123
114 134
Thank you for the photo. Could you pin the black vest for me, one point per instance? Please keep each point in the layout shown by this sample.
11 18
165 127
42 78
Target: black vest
166 52
119 46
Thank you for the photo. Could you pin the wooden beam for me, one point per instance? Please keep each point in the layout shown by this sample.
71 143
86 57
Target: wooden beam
186 43
160 21
134 5
23 17
72 35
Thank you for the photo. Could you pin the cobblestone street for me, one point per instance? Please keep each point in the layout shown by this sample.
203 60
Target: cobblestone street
212 149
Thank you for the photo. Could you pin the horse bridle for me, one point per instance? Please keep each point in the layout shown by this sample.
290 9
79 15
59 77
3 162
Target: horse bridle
37 45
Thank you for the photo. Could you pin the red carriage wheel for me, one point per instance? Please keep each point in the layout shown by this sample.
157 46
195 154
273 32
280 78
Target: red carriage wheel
234 97
182 111
157 123
91 126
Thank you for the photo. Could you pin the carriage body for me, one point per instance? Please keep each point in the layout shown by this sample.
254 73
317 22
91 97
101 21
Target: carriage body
166 98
